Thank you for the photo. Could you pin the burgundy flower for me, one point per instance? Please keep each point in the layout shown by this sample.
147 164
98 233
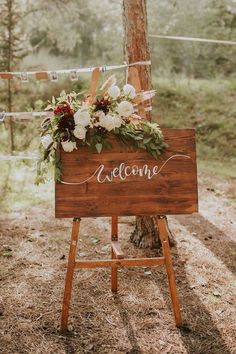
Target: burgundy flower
101 130
102 105
66 122
63 109
65 136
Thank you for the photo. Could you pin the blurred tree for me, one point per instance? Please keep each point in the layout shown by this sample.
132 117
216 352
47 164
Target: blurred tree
11 48
81 30
220 22
89 32
203 18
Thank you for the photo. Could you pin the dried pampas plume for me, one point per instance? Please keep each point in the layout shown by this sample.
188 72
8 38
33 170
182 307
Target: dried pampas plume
108 83
135 119
144 96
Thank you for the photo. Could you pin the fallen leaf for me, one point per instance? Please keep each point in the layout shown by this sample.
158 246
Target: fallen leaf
216 294
95 240
6 252
106 247
82 254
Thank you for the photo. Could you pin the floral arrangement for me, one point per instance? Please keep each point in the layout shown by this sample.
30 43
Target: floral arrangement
75 123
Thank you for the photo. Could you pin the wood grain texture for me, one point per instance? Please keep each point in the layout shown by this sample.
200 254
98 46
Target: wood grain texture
164 237
172 191
126 262
115 253
69 276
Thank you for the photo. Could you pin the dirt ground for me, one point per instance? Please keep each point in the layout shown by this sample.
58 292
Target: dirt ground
33 251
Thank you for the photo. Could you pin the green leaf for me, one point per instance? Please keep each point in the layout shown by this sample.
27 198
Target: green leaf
154 153
152 146
98 147
147 140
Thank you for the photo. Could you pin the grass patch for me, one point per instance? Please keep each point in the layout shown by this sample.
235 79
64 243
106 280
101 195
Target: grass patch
207 106
217 168
18 190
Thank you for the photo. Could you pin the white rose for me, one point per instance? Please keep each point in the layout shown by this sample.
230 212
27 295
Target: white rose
68 146
117 121
110 122
98 116
113 91
82 117
46 140
107 122
129 90
80 132
125 108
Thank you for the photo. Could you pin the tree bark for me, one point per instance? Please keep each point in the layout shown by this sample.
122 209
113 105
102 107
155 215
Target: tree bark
9 62
136 48
11 123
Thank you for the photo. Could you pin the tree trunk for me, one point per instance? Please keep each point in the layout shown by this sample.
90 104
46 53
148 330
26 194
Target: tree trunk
135 38
136 48
9 62
11 124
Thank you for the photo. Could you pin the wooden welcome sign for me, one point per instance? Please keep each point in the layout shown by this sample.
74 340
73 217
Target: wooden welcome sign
127 181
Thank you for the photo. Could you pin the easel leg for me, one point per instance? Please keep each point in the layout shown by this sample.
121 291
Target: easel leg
114 270
164 233
69 274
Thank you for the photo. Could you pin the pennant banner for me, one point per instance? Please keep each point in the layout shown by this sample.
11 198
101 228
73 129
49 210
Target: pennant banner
53 75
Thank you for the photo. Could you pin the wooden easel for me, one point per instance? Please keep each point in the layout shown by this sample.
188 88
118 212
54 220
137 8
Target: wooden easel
117 261
175 193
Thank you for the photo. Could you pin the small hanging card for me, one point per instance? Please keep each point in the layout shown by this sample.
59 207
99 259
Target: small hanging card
2 116
6 75
73 75
54 76
24 77
41 75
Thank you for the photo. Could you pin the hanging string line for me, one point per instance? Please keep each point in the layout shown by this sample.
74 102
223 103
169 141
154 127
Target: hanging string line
26 116
193 39
18 157
53 74
23 115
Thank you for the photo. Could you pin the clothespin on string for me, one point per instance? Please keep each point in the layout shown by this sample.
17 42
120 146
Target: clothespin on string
2 117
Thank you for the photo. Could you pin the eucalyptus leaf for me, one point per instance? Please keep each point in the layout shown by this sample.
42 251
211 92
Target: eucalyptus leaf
98 147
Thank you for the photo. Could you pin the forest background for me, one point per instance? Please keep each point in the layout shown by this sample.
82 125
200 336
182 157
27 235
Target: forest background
195 81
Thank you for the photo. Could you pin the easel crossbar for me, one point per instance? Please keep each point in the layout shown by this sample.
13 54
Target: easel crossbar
137 262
